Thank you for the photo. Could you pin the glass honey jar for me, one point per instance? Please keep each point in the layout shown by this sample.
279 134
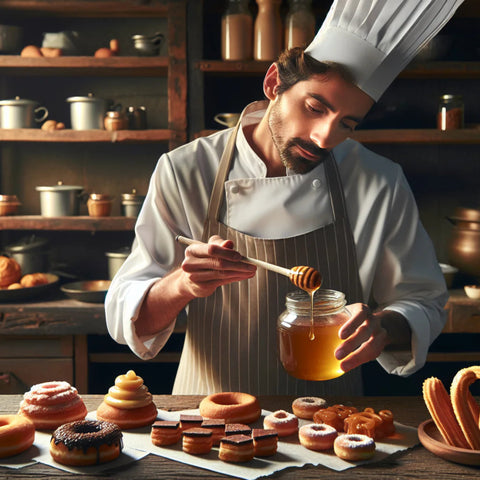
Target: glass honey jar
308 338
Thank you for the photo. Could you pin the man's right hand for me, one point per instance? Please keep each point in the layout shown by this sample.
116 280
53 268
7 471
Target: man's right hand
209 265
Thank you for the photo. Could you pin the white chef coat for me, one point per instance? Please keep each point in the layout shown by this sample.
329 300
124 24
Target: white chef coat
397 263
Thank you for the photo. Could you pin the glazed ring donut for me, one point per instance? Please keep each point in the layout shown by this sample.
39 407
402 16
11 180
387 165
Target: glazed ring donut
233 407
354 447
305 407
17 433
317 436
282 422
86 442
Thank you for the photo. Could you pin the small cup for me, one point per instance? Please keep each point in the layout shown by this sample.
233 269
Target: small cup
472 291
99 205
227 119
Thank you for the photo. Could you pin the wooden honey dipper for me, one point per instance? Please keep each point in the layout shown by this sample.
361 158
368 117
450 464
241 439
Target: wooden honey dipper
306 278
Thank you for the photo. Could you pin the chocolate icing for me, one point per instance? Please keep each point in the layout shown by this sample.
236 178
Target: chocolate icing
213 423
260 433
197 432
237 439
84 434
191 418
237 429
166 424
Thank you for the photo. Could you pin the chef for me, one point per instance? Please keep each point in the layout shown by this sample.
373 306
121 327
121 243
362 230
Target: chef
289 186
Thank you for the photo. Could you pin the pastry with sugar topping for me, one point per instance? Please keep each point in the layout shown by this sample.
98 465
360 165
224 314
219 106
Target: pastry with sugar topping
51 404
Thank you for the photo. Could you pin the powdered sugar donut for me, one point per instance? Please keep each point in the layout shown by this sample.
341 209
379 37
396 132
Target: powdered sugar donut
305 407
51 404
354 447
317 436
284 423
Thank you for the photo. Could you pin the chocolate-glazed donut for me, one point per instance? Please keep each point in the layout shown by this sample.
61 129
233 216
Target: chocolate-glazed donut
86 442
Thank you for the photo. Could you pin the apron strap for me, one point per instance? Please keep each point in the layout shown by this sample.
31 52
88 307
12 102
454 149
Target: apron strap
222 174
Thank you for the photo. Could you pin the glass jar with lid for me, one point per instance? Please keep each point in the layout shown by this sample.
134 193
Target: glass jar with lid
308 337
450 112
299 24
237 31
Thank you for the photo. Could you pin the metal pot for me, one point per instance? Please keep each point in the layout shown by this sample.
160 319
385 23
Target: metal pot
31 253
21 113
11 39
67 41
148 45
115 260
59 200
464 247
87 113
132 203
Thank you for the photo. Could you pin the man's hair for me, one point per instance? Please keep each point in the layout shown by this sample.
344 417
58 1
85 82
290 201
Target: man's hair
294 65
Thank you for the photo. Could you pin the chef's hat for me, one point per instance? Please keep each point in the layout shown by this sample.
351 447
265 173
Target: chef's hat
376 39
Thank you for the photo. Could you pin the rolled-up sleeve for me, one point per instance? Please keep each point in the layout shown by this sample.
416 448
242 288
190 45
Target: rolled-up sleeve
397 260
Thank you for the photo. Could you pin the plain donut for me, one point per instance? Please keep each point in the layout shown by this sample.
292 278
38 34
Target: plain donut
233 407
17 433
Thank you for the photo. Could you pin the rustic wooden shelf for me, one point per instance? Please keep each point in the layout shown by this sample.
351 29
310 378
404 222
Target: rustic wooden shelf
75 223
461 70
99 136
84 66
426 136
86 8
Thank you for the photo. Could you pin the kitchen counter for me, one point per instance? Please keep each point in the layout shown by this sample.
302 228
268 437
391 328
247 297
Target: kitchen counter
416 463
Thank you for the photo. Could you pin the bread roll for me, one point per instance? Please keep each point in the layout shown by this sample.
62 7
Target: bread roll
10 271
33 280
31 51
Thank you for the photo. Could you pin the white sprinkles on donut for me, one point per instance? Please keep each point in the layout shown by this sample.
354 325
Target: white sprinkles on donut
281 416
318 429
356 440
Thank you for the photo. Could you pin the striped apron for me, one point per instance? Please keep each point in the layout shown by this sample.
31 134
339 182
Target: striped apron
231 338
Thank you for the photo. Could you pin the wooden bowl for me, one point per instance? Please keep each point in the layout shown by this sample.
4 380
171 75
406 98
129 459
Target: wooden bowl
433 441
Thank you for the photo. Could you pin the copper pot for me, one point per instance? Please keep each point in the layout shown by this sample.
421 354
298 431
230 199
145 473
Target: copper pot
464 247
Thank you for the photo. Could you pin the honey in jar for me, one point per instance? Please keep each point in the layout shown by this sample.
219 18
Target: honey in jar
307 344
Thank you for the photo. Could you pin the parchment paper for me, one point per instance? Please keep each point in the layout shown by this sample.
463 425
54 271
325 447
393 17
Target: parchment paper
289 454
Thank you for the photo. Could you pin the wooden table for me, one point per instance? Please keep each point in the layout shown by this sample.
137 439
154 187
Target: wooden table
416 463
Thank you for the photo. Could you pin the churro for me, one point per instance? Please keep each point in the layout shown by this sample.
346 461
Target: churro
440 407
464 406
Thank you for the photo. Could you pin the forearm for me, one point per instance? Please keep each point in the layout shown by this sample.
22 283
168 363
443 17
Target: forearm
162 304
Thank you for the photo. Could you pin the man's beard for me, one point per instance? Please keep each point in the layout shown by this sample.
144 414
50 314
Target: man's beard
290 158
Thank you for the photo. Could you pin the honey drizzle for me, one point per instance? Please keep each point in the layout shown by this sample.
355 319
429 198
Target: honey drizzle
311 333
309 280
